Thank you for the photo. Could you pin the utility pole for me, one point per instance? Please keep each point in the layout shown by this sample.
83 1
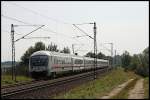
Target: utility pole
111 54
13 49
115 59
95 44
95 51
73 48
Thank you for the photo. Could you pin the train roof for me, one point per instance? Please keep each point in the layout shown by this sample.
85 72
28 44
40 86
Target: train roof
40 53
50 53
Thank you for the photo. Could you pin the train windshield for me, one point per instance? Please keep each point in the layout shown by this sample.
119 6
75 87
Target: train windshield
39 60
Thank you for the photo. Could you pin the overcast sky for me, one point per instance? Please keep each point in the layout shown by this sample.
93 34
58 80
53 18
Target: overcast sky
123 23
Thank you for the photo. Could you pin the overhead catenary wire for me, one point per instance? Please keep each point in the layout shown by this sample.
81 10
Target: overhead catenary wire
41 16
87 33
36 37
105 47
83 31
30 24
47 17
29 33
11 18
44 16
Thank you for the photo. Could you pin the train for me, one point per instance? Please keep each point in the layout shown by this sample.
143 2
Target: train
48 63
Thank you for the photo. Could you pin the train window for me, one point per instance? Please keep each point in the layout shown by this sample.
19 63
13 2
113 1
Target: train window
93 62
88 62
39 60
54 60
59 60
66 61
62 59
78 61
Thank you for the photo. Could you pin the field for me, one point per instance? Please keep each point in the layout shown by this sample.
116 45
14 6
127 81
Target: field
7 79
100 87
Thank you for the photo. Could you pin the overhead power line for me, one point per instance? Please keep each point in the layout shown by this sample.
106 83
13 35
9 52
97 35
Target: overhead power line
37 13
82 31
14 19
48 30
83 23
36 37
9 32
105 47
29 33
28 24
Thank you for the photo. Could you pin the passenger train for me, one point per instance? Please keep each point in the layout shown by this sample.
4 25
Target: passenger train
50 63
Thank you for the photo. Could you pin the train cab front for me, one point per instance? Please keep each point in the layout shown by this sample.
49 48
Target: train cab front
38 66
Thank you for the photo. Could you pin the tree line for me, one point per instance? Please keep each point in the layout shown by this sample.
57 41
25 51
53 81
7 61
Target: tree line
139 63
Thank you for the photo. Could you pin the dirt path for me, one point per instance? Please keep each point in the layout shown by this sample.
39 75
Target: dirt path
116 90
138 91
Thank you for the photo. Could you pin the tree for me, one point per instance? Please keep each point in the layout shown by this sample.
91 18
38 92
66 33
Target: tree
100 55
126 59
25 57
39 46
143 68
135 62
90 54
117 60
65 50
52 47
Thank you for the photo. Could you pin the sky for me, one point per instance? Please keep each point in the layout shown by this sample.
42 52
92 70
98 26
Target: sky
123 23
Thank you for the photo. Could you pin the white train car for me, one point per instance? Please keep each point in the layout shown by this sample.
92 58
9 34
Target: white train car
88 62
78 62
50 63
102 63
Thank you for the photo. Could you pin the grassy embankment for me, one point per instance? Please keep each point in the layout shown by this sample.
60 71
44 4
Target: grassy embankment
7 79
146 88
99 87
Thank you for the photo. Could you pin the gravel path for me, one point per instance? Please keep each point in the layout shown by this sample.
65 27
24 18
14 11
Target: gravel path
138 91
116 90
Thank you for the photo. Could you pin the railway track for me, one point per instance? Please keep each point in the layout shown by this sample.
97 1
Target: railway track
45 89
18 84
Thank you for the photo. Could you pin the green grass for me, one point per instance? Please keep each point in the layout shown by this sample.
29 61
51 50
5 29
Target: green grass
146 88
99 87
7 79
